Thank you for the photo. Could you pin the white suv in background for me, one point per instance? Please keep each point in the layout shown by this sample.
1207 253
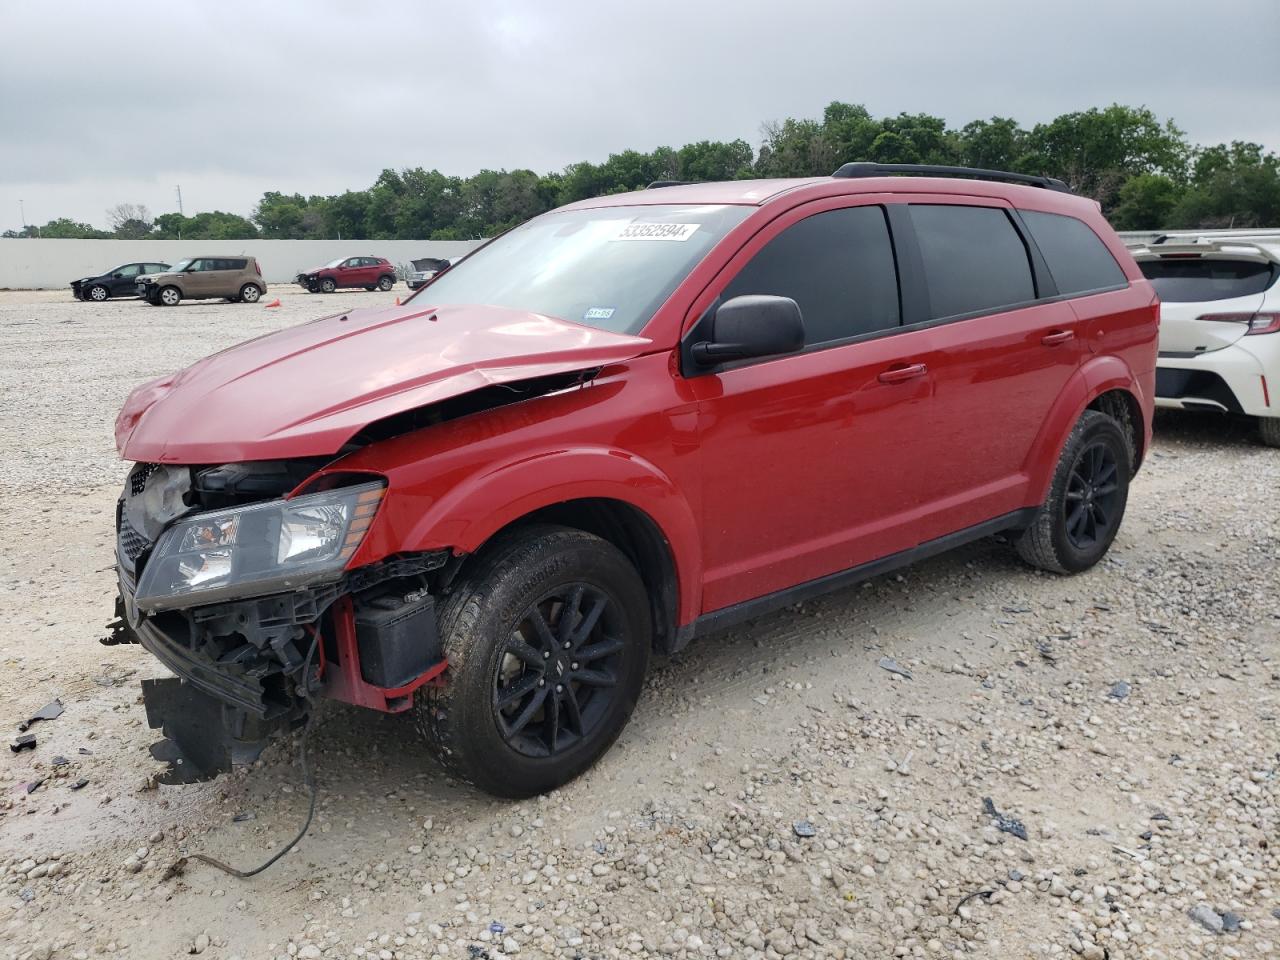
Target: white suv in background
1219 325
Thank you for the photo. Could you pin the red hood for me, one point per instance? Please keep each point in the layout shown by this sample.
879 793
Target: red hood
306 390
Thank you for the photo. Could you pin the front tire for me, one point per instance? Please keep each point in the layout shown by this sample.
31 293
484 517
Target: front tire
250 293
327 285
1269 430
1074 527
169 296
547 639
98 293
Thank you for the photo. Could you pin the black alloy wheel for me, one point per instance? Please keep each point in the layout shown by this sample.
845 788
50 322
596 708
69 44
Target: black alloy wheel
1092 495
547 634
559 671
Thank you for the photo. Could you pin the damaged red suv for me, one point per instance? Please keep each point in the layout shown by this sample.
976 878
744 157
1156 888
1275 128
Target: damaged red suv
626 423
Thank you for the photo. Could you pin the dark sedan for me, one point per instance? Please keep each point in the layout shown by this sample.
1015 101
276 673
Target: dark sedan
117 282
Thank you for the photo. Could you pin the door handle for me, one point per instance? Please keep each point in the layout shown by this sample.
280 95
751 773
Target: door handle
1057 337
899 374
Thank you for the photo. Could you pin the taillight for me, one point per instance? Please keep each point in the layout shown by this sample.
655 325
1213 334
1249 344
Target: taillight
1264 323
257 267
1256 322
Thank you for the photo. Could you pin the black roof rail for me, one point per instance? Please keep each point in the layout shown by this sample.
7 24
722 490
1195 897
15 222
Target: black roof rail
865 168
669 183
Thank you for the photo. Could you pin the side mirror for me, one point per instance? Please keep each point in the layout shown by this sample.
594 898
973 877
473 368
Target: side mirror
757 325
117 276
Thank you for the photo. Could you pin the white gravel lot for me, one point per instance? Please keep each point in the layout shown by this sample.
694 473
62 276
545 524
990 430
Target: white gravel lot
1126 717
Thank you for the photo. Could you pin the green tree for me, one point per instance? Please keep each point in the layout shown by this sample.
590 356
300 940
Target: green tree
995 144
1096 151
1146 202
1232 185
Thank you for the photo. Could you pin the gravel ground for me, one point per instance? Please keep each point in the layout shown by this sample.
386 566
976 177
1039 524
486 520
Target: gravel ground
777 794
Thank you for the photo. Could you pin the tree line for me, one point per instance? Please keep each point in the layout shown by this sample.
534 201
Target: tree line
1144 172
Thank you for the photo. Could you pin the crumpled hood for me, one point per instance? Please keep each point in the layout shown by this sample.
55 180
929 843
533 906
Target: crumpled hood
306 390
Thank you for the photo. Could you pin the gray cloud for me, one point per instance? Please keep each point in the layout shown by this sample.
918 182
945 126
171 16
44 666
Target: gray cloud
99 105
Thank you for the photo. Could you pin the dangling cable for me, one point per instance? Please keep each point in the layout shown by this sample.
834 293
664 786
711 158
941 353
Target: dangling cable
307 778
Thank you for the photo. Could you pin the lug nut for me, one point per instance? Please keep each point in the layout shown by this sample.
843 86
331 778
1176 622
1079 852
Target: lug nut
566 644
573 666
546 655
541 682
559 688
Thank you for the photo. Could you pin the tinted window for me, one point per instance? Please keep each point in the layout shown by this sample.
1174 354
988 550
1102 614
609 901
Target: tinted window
838 266
129 270
974 260
156 268
1195 281
1077 258
197 265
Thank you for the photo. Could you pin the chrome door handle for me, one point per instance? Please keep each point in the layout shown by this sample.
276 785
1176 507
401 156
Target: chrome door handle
899 374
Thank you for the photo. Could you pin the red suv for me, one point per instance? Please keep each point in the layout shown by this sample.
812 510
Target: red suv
626 423
372 273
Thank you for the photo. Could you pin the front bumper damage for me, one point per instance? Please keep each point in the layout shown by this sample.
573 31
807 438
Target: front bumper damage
247 671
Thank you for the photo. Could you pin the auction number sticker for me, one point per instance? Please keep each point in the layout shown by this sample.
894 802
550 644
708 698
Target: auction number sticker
657 231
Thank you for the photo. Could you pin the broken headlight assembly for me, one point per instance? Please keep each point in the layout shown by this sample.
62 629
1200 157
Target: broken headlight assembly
262 548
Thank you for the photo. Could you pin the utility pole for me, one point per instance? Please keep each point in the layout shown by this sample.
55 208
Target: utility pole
179 189
22 212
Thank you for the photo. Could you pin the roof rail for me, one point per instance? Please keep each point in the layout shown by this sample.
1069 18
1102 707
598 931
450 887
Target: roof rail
668 183
865 168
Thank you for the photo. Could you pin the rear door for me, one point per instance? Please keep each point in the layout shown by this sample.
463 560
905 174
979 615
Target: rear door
812 461
1205 298
999 361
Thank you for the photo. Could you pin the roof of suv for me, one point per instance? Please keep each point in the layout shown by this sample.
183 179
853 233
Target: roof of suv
760 192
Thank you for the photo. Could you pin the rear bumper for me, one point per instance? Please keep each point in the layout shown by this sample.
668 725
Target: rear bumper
1231 380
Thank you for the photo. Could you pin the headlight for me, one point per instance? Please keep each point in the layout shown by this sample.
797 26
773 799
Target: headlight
262 548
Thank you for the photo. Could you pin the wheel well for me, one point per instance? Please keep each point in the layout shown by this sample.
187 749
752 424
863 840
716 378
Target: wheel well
1122 406
633 532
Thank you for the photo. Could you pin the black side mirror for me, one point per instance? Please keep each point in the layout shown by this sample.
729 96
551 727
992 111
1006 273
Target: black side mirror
117 276
757 325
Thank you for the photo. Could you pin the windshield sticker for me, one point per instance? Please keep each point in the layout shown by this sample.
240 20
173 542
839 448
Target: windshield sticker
598 313
657 231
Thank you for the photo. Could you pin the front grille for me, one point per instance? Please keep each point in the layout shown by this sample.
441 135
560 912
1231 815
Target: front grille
138 479
132 543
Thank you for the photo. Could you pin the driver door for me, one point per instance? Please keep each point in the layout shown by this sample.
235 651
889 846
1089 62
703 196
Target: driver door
811 461
123 280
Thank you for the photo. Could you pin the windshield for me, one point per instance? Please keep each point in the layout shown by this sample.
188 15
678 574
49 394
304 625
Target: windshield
1202 280
334 263
181 265
609 268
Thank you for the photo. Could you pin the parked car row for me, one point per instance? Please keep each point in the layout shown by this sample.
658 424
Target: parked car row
239 279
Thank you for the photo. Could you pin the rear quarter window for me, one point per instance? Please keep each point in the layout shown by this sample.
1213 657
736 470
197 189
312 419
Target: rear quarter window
1076 256
1196 280
974 260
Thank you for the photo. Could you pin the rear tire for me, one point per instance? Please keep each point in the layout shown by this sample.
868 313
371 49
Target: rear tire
1074 527
1269 430
250 293
386 283
566 694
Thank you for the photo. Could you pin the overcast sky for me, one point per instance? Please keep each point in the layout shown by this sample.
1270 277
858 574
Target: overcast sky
102 104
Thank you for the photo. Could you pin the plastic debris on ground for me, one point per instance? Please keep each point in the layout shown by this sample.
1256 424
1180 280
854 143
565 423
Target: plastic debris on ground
1004 824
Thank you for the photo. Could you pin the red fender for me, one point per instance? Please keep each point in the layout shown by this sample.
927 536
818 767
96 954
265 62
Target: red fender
470 511
1095 377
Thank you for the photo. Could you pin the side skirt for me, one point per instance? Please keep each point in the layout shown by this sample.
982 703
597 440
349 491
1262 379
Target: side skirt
758 607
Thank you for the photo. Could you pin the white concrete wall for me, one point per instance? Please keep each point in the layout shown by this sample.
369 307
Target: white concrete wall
47 264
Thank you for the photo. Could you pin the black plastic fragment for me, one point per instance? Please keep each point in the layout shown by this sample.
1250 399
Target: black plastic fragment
1004 824
50 711
24 742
